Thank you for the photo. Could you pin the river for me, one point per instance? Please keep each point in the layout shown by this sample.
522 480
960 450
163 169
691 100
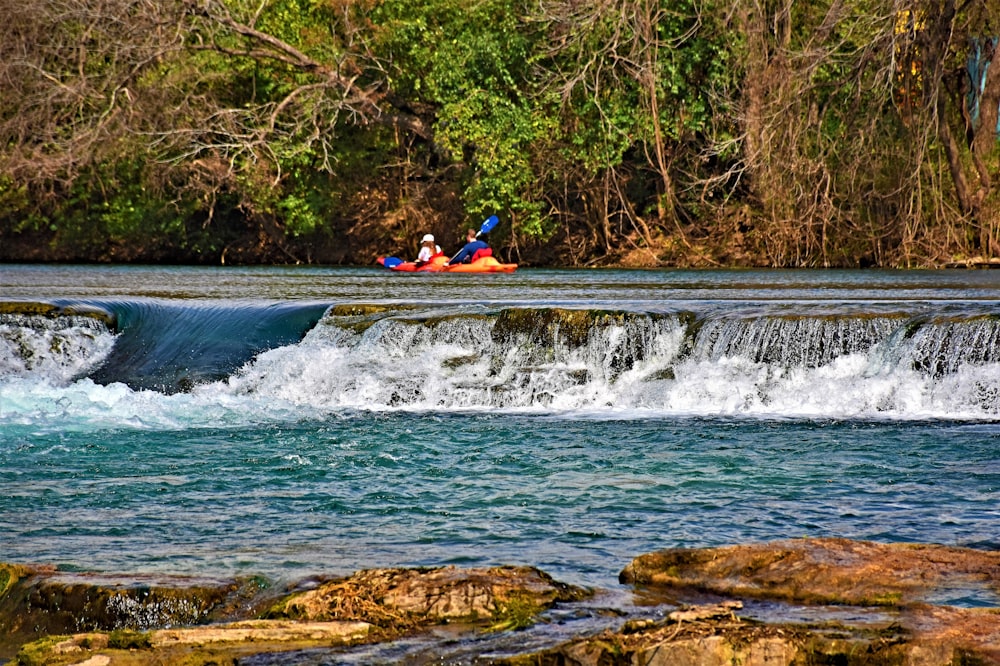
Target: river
287 422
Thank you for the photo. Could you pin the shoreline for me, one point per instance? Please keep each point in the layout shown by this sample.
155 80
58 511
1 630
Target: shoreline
788 602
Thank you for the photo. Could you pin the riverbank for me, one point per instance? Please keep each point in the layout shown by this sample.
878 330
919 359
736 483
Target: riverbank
788 602
253 247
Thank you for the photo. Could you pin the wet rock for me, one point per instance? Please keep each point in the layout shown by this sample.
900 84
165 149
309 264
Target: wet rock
835 571
707 612
459 361
714 634
30 308
718 648
548 327
679 643
370 606
405 598
224 643
258 631
974 632
899 613
360 309
910 579
40 601
358 317
538 333
10 574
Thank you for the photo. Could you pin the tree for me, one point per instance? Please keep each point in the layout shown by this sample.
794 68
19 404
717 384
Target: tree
469 62
847 108
72 75
701 131
220 102
635 81
945 34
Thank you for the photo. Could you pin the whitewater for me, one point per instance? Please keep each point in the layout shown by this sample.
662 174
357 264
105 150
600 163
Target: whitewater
288 422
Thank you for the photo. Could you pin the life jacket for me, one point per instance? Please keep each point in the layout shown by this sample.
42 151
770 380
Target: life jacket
482 252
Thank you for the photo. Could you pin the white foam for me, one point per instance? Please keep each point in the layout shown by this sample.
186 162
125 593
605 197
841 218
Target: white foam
85 406
632 369
407 365
56 348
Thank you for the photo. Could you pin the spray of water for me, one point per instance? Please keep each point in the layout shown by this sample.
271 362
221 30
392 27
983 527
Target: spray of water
540 360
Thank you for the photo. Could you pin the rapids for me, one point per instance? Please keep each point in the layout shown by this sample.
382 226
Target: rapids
293 421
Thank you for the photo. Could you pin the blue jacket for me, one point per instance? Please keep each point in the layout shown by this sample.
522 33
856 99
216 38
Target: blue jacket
465 254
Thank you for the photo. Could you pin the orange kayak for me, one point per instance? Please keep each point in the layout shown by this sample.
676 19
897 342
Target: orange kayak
440 265
481 265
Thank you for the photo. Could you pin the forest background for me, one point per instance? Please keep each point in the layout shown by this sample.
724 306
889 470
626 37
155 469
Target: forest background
602 132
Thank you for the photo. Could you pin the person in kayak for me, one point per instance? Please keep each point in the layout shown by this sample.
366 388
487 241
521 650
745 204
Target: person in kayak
428 249
473 249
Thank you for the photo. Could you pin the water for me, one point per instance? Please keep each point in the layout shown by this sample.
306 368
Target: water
230 421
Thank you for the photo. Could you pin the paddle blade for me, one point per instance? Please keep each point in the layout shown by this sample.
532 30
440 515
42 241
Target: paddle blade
389 262
490 222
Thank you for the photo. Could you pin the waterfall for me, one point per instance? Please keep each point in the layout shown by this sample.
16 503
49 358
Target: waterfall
536 359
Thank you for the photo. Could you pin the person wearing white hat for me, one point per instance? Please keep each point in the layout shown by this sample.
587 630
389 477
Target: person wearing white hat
428 249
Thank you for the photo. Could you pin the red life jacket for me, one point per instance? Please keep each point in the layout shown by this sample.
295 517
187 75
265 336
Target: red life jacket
482 252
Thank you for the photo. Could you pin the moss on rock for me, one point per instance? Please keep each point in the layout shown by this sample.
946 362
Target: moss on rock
398 600
37 309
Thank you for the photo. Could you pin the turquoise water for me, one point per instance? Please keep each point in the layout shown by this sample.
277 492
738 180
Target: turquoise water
227 423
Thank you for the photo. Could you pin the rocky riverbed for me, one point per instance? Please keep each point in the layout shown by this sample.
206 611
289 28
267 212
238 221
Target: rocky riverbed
803 601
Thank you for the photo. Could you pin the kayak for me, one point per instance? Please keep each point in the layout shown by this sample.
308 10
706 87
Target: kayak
440 264
481 265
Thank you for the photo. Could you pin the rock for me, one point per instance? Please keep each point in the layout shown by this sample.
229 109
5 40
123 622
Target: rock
903 577
97 660
40 601
974 630
262 631
213 644
28 308
708 612
896 615
835 571
719 651
688 643
374 605
974 262
407 597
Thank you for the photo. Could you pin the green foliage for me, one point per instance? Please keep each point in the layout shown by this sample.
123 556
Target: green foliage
16 208
630 83
40 652
117 205
121 639
440 51
560 114
130 214
470 60
309 24
499 135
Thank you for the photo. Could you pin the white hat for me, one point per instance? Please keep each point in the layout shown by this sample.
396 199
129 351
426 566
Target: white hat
428 239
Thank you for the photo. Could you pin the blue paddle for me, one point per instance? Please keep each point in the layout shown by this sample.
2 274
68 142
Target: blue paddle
486 227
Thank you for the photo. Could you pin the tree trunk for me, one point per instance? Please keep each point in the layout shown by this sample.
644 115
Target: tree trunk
954 156
983 144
